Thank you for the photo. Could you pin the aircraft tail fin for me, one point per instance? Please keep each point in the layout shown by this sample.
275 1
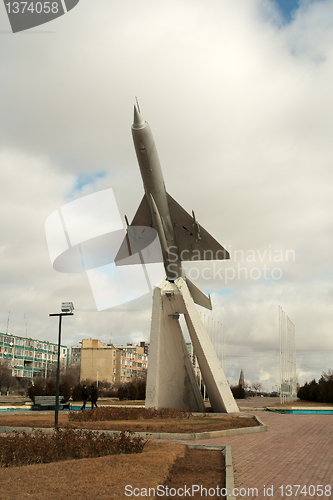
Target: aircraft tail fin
194 242
198 296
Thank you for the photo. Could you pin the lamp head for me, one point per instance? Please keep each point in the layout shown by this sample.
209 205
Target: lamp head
67 307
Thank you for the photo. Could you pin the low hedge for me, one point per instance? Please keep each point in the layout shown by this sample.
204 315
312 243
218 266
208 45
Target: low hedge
21 448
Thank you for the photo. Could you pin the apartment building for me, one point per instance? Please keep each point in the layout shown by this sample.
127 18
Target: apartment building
75 358
146 346
30 357
133 362
111 362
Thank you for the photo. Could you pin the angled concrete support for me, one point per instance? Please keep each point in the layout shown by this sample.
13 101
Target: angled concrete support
171 380
220 395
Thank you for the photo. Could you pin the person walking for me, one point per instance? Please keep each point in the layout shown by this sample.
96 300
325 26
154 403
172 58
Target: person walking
94 397
85 397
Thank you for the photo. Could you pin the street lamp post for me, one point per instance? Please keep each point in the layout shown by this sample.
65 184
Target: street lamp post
97 379
67 309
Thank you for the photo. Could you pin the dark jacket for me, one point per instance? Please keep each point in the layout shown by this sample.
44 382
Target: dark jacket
85 394
94 394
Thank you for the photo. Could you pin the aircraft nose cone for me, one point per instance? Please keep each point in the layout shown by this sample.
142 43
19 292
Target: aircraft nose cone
138 121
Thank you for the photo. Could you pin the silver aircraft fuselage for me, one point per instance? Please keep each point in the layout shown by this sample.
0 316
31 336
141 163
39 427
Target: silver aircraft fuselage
181 237
156 194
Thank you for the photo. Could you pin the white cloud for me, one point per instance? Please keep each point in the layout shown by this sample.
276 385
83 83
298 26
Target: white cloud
240 107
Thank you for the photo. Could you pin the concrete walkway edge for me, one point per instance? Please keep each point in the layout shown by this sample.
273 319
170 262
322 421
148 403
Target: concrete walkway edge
168 436
228 468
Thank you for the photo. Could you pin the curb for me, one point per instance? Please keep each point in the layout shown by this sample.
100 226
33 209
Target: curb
198 436
28 430
229 473
173 436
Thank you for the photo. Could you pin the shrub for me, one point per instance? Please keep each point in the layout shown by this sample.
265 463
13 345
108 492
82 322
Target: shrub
109 393
36 390
50 387
142 390
77 393
47 387
25 449
65 390
325 388
103 384
135 390
122 393
238 392
321 391
69 380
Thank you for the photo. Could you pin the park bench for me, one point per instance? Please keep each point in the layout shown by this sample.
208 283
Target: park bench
49 402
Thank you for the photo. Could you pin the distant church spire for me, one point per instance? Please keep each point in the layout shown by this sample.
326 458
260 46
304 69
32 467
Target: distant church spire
241 380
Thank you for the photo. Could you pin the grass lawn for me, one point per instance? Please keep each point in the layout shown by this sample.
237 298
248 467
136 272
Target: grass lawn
102 478
105 478
188 425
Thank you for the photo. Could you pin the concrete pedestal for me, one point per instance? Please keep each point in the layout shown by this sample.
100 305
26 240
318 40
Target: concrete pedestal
171 381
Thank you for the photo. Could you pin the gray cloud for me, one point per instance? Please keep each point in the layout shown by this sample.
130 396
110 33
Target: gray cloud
240 107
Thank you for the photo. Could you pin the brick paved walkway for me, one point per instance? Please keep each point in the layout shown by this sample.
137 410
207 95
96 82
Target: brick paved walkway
296 450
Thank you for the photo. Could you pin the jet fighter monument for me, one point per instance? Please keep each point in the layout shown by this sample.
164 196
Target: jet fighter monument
171 380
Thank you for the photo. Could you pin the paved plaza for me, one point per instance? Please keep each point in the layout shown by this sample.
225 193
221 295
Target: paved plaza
295 450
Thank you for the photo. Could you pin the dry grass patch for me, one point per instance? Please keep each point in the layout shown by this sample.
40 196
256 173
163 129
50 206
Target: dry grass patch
103 478
189 425
32 419
200 468
118 413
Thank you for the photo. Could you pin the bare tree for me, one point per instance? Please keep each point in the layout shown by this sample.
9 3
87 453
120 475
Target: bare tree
6 378
71 376
256 386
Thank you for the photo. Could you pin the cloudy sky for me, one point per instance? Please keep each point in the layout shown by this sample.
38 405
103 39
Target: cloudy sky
239 98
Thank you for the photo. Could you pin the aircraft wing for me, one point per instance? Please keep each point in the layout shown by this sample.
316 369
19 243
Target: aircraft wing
139 236
142 216
194 242
141 245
